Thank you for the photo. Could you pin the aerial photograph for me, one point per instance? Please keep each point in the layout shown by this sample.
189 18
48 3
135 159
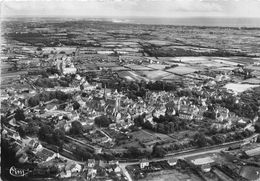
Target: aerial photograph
130 90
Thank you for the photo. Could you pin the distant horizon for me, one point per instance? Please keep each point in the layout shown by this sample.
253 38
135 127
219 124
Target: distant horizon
132 8
235 22
133 17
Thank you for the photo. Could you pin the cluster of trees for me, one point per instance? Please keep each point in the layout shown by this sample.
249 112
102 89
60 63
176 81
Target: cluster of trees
201 140
165 124
156 51
102 121
139 89
51 135
47 96
50 83
209 114
32 129
248 109
76 128
82 154
135 153
19 115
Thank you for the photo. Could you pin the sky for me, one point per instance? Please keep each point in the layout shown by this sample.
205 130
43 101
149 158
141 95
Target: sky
131 8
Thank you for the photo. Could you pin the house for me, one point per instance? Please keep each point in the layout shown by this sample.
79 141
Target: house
221 113
172 161
204 163
73 167
187 112
199 116
144 163
50 107
113 162
92 172
13 135
23 158
253 152
206 167
37 147
170 108
117 169
65 174
91 163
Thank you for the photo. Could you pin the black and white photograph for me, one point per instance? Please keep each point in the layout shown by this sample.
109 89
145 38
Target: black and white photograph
130 90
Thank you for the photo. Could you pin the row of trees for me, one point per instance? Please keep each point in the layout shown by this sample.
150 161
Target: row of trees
135 153
47 96
51 83
201 140
139 89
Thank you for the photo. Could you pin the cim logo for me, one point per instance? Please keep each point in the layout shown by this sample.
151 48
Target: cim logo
16 172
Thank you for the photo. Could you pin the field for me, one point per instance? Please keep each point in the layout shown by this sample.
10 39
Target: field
119 68
106 64
143 136
239 88
137 67
252 81
170 175
182 70
157 66
154 75
131 76
172 77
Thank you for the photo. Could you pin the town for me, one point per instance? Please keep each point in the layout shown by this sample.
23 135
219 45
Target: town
106 101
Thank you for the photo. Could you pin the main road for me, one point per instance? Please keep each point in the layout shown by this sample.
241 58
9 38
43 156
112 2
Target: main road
185 154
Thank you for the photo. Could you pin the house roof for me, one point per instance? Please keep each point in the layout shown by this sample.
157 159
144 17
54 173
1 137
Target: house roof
202 161
47 152
253 152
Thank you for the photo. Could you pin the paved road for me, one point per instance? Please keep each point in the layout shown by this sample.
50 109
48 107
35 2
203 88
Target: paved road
185 154
177 156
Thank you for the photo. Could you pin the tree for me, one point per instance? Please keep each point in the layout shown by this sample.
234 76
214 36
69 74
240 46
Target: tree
218 139
209 114
58 137
19 115
200 140
76 105
133 152
76 128
158 151
39 49
102 121
21 131
32 128
45 133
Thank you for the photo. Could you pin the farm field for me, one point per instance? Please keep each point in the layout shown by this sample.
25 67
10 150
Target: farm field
137 67
170 175
154 75
157 66
182 70
131 76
